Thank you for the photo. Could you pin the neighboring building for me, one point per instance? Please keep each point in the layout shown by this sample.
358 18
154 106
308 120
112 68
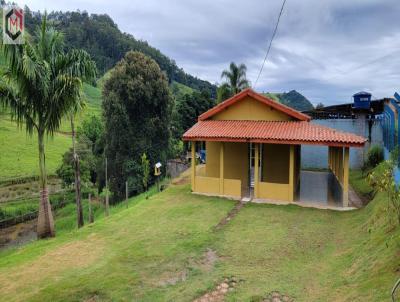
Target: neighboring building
362 117
253 149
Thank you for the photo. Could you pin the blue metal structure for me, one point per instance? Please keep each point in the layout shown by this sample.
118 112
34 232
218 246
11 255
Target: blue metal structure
391 133
362 100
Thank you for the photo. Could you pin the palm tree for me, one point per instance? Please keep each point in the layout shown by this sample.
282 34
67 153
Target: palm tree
236 77
40 86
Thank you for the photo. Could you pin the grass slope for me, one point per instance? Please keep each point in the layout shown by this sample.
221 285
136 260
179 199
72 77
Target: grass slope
154 251
19 151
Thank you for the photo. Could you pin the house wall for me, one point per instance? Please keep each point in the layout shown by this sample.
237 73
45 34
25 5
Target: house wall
212 159
317 156
235 170
275 168
236 162
250 109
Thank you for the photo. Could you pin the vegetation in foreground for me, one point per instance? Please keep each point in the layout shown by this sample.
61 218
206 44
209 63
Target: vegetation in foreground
156 250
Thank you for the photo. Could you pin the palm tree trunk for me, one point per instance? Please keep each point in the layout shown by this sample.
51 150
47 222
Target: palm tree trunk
45 226
79 211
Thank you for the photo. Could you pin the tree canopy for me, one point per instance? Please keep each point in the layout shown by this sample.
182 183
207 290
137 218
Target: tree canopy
137 110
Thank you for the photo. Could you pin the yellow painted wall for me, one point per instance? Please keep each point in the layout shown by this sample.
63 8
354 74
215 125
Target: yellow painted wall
212 159
209 185
250 109
236 162
275 161
273 191
232 187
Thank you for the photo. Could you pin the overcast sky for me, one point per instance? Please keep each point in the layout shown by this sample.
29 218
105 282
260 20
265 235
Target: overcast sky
327 50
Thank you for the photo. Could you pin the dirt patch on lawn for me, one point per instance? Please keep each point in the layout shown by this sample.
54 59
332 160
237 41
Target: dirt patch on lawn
205 264
232 213
51 265
183 180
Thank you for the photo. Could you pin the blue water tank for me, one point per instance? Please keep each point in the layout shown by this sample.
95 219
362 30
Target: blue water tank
362 100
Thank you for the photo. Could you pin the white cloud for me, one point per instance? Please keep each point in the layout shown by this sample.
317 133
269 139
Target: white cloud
327 49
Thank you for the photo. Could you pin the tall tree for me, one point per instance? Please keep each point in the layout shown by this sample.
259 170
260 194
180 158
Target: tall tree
137 111
236 77
40 86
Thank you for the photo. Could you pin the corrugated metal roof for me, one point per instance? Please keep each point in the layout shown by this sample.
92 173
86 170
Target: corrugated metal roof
291 132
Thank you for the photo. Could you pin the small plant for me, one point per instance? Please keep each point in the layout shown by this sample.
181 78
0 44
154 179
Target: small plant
375 156
384 182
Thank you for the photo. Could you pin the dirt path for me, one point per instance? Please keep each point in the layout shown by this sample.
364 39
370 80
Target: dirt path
232 213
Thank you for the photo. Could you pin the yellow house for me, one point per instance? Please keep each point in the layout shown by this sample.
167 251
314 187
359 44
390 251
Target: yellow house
253 149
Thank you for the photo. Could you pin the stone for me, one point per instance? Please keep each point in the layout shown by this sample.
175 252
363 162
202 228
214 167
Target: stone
224 285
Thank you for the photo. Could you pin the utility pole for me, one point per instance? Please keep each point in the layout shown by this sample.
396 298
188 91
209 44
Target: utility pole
126 193
107 202
90 209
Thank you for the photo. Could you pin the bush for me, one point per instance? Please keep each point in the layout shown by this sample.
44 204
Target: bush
375 156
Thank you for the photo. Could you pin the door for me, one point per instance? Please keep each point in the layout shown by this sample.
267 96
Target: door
252 159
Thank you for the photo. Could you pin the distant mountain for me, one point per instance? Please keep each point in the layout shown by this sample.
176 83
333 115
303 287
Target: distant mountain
100 36
292 99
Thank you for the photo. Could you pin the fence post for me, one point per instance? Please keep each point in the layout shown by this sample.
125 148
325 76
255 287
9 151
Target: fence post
126 193
90 209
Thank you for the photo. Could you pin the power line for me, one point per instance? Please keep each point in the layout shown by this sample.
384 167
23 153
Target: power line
270 43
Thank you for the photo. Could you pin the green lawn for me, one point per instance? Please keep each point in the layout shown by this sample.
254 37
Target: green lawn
19 151
155 251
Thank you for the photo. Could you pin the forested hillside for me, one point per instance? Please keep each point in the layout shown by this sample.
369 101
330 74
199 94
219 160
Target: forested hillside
292 99
100 36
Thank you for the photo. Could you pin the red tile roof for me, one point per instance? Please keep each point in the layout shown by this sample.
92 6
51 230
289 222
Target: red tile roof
267 101
292 132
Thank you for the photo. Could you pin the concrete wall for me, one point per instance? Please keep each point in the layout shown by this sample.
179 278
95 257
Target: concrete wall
317 156
250 109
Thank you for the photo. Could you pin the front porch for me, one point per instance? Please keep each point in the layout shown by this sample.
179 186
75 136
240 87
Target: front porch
231 171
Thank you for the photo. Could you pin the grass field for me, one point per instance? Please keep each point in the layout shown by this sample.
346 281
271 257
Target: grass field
19 152
156 250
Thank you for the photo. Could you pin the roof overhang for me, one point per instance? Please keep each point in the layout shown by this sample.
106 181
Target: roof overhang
290 133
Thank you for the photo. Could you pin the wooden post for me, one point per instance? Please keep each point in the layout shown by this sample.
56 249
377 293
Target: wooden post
193 143
256 170
90 209
329 157
291 173
126 193
107 204
221 169
346 177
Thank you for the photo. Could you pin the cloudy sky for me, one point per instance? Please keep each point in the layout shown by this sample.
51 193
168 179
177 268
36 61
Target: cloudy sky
327 50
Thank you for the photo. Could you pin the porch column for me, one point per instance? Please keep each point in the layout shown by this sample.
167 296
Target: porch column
221 169
291 173
193 171
341 165
346 177
256 169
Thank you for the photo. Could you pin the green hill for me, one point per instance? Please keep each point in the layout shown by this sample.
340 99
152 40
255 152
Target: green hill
100 36
292 99
165 248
